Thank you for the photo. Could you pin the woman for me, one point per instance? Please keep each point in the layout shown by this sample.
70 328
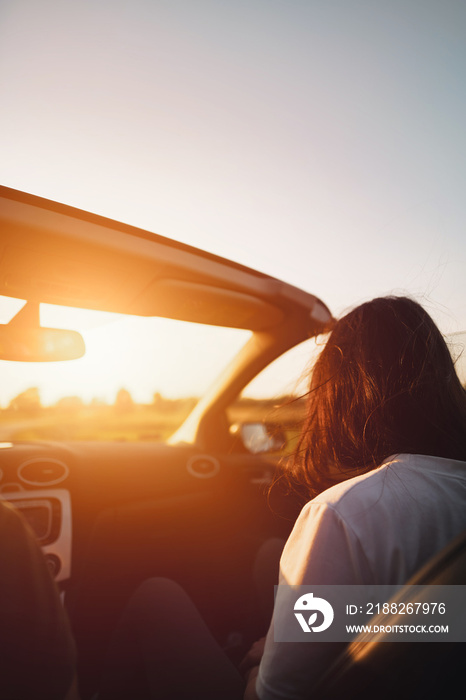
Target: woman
382 456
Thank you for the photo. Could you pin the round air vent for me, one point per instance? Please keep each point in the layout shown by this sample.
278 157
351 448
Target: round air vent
203 466
40 472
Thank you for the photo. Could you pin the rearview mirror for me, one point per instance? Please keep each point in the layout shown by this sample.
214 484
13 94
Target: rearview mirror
39 344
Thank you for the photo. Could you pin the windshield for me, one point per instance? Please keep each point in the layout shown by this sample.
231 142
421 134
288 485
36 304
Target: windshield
141 376
138 380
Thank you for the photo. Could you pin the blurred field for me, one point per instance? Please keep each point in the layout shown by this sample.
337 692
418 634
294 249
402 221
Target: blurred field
131 422
136 423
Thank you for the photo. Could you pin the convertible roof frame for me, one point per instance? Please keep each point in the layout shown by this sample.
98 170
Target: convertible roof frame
57 254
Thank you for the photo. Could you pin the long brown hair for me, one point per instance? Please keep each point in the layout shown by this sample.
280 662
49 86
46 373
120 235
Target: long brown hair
384 384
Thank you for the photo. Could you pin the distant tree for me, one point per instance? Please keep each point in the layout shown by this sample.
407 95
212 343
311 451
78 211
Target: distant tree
157 399
124 401
26 402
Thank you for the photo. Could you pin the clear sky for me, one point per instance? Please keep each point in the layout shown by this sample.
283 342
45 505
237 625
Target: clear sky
321 141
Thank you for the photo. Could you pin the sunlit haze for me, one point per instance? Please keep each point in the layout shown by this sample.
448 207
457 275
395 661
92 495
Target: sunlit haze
142 355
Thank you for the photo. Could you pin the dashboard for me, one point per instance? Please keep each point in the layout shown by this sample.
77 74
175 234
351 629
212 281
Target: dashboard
109 516
70 493
32 486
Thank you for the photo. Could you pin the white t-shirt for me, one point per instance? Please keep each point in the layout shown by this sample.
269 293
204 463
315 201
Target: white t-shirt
378 528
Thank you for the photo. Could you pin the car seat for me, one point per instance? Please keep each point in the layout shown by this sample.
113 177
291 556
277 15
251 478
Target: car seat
382 669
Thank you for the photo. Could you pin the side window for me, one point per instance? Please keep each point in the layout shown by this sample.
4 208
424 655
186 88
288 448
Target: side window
276 398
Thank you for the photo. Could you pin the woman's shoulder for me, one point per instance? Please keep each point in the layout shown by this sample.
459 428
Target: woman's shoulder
399 479
402 511
366 485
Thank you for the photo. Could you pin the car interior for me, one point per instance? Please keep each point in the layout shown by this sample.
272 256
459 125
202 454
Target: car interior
185 497
111 513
